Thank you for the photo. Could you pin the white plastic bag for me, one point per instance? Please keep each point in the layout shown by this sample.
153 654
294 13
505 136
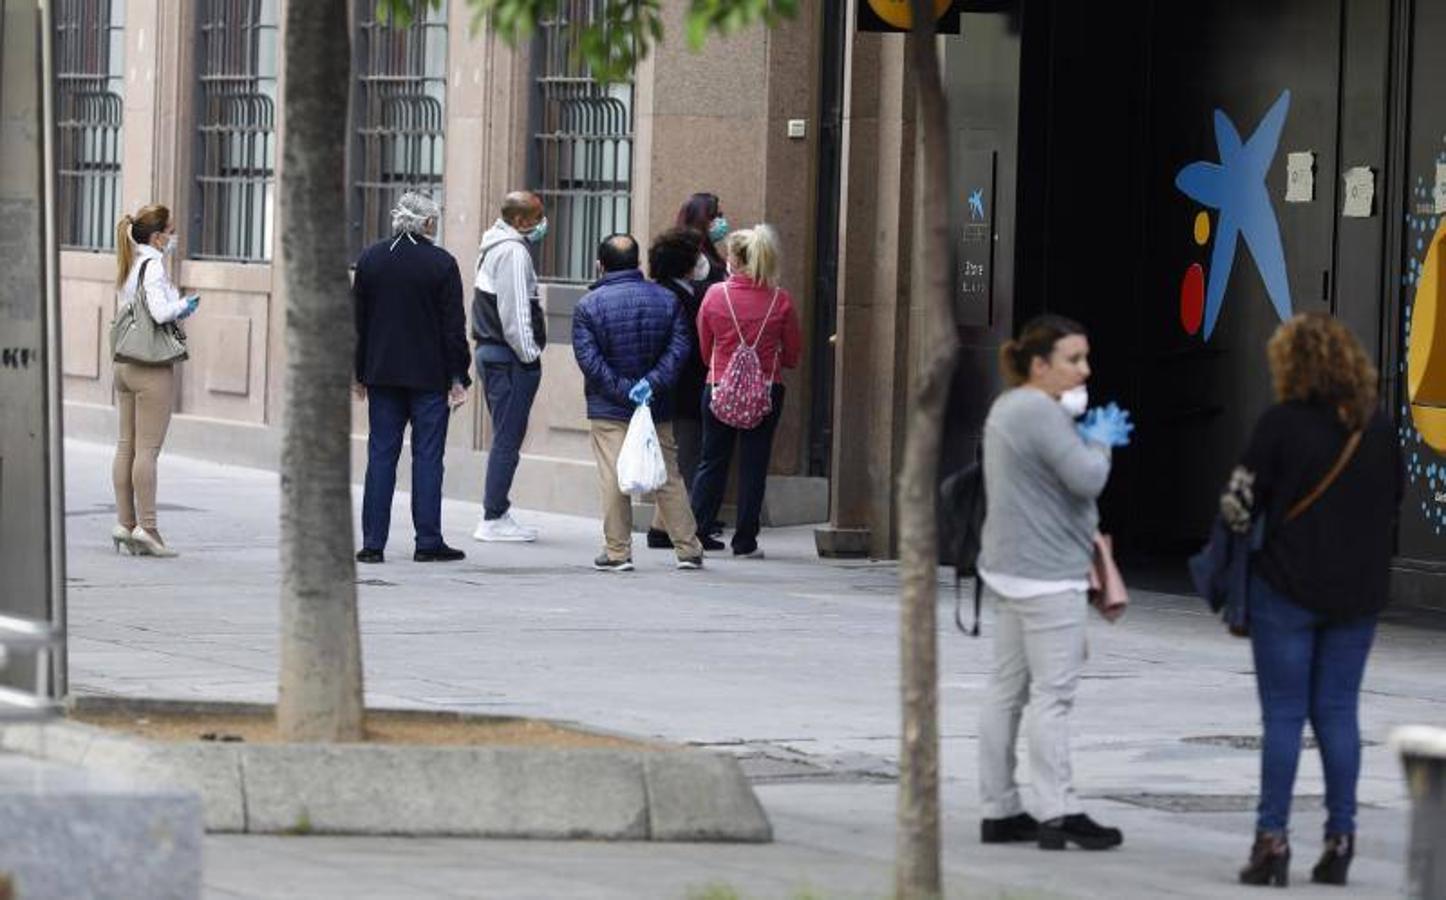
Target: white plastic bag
640 464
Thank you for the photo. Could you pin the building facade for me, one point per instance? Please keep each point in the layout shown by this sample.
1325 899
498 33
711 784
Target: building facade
179 103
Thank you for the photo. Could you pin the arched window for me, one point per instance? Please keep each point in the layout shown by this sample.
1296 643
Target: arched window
582 148
235 156
89 51
399 103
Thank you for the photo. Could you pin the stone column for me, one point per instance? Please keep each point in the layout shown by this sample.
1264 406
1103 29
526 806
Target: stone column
872 349
717 121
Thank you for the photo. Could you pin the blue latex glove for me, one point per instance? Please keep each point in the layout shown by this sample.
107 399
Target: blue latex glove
642 392
1108 426
191 304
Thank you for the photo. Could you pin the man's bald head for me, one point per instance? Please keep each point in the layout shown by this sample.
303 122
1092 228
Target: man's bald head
618 253
521 209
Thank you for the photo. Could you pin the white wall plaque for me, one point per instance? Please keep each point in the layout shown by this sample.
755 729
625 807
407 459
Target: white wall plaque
1360 192
1300 177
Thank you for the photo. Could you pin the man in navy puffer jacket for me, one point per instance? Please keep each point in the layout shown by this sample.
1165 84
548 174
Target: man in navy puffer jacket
631 341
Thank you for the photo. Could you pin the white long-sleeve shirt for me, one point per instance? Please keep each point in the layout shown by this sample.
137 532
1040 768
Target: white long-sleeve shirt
162 298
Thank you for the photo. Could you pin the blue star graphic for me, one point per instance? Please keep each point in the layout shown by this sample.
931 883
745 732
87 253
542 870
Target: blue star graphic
976 203
1236 187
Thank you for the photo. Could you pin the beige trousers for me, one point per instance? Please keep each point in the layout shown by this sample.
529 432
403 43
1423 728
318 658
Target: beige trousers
145 396
671 498
1039 653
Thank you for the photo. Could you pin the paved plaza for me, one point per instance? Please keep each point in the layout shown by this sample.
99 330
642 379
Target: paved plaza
790 662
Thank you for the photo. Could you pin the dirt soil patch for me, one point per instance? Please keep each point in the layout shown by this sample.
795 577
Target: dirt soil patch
382 727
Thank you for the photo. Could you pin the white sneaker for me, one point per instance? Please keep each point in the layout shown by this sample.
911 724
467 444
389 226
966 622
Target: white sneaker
503 529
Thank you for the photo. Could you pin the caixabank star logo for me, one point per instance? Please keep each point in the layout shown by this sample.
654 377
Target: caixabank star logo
1235 188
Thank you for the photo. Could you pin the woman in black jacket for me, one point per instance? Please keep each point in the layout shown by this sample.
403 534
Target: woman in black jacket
1323 468
675 257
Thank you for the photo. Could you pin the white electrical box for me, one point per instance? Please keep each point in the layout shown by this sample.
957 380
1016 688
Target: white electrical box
797 128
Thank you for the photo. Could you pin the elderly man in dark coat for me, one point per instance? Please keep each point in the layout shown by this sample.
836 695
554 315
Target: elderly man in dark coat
411 367
631 340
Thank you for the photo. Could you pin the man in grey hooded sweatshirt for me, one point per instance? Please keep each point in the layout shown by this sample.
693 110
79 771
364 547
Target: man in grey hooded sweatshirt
509 328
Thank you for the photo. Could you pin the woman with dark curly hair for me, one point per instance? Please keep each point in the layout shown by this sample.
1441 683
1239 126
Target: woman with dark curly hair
1323 470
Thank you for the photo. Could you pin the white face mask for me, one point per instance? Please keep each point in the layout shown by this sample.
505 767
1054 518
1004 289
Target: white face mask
1075 401
701 268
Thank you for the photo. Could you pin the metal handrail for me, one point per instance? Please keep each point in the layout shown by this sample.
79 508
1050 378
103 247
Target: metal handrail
41 638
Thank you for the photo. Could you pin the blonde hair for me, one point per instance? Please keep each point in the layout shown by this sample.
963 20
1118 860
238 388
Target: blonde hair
136 229
754 252
1315 359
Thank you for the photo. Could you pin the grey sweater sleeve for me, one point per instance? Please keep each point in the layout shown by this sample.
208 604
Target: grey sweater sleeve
1084 468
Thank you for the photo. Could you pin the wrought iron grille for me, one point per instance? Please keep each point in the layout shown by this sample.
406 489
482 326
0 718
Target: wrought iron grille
89 55
236 130
582 151
399 101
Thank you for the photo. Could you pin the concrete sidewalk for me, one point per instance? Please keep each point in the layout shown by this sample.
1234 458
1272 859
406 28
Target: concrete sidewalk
789 661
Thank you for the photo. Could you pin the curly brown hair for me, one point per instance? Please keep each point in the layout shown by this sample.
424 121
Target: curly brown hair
1315 358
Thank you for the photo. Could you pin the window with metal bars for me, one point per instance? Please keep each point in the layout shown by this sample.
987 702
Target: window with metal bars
89 52
582 148
235 155
399 104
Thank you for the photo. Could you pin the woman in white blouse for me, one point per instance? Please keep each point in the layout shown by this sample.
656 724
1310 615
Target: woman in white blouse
145 394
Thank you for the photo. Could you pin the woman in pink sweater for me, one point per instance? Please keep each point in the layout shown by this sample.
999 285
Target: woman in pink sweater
747 309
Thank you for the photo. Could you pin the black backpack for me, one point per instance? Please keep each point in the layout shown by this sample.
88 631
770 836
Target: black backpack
961 507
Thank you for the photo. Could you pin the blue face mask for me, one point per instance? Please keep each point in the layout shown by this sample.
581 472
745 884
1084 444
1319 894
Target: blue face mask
718 229
538 232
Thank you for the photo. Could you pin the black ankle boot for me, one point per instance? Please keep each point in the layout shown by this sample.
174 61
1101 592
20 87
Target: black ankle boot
1269 860
1335 860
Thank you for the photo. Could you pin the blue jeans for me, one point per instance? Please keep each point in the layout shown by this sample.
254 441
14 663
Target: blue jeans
1306 668
755 448
510 388
389 409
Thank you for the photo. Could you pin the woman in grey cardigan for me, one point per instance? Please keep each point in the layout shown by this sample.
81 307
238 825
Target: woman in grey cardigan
1042 474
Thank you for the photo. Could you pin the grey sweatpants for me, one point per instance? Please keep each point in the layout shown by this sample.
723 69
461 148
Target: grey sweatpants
1039 652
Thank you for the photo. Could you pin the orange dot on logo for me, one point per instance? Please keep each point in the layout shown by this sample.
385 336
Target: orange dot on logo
1202 227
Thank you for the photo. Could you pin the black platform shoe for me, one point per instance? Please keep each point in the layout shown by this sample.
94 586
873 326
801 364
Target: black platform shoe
1269 861
1078 829
1008 830
659 540
1335 860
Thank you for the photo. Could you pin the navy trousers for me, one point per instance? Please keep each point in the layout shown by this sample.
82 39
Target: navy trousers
755 448
510 388
389 410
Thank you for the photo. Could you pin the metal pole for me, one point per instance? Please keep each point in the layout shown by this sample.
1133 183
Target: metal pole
1423 754
59 686
32 536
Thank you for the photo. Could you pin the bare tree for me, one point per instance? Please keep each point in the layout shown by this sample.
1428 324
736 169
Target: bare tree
917 862
320 693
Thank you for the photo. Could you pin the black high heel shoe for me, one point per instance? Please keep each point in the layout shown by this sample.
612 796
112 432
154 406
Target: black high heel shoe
1335 860
1269 861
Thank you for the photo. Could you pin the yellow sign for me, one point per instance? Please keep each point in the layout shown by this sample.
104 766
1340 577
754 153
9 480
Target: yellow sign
898 14
1426 352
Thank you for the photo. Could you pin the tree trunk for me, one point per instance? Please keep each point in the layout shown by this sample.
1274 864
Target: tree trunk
320 695
917 867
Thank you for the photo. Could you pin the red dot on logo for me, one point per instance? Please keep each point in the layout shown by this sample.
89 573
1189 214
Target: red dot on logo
1192 298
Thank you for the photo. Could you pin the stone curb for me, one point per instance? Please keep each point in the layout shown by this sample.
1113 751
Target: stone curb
515 792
